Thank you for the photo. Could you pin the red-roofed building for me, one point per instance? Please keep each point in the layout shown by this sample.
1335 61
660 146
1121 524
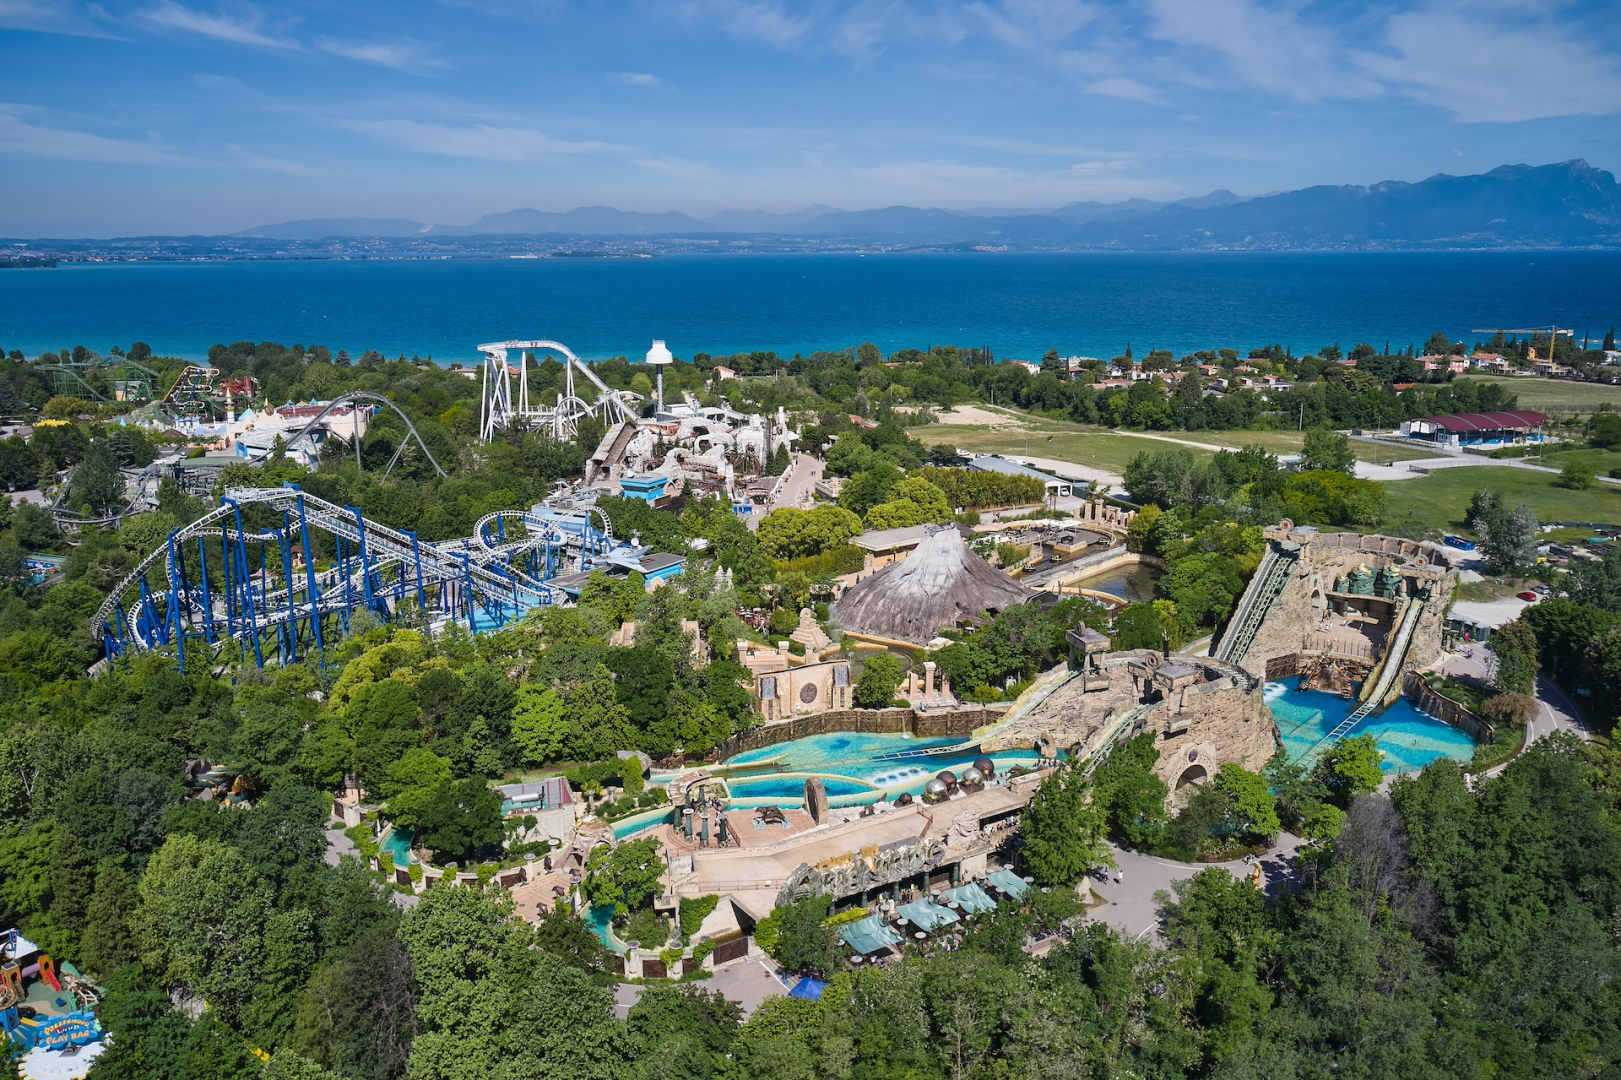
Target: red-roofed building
1477 429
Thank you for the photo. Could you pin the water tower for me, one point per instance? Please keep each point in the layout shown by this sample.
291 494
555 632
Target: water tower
659 356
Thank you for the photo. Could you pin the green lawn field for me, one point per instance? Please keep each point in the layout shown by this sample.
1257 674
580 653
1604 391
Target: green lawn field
1104 448
1438 501
1553 396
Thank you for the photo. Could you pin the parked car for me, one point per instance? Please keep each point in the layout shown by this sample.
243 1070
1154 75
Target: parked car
1527 596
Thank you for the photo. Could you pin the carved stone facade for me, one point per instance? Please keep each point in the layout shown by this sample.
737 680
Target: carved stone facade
1202 712
809 633
1209 725
1345 592
870 868
813 688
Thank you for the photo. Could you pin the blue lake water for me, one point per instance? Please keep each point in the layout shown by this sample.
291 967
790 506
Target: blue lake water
1020 305
1409 739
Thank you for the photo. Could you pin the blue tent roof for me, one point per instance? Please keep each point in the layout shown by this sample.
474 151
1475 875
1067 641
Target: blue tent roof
869 935
926 916
809 989
971 898
1010 883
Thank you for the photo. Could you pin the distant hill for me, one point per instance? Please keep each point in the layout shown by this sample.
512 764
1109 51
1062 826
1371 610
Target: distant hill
321 228
582 221
1570 204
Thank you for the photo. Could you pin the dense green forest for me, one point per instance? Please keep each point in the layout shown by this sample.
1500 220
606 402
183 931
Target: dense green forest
1459 926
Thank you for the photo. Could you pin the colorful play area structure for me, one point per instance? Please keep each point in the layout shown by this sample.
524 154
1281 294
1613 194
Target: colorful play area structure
48 1016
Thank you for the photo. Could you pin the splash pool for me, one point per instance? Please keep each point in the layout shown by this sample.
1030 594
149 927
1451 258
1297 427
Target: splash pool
855 767
1409 738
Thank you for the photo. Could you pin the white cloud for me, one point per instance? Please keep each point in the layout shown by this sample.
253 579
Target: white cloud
260 163
633 78
482 142
1125 89
404 56
51 17
1266 46
680 169
245 28
54 144
752 20
1496 69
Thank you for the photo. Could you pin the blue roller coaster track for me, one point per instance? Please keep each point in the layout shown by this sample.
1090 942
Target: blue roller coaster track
284 589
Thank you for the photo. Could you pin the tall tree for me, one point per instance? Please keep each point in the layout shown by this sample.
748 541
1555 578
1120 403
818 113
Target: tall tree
1063 829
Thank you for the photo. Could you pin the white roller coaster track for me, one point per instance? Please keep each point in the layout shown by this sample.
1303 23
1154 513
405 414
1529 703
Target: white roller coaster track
349 398
504 395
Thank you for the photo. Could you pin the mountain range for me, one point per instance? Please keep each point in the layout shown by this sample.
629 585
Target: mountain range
1570 204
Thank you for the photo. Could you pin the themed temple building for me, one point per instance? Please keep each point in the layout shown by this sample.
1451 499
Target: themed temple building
1341 609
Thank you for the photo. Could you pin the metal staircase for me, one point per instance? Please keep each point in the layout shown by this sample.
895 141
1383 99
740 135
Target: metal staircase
1264 588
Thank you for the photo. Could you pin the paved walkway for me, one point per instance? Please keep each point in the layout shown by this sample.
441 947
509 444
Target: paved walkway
796 490
339 845
1131 908
748 982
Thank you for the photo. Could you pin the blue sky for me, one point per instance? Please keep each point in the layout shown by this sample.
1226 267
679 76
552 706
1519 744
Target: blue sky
206 116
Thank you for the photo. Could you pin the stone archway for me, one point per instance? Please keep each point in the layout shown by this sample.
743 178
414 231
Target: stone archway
1193 774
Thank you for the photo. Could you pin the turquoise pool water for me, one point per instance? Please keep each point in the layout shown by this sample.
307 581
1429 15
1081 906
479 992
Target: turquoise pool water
398 844
600 920
635 823
1410 739
846 763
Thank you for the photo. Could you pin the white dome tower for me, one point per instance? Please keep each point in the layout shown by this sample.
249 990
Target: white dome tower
659 356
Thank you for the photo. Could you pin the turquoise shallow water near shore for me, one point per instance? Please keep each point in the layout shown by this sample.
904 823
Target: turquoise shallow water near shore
1020 305
1409 739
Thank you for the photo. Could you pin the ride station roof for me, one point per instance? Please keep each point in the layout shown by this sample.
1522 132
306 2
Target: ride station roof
1465 423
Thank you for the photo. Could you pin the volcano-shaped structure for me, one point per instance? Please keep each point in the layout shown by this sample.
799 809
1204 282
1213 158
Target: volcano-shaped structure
938 584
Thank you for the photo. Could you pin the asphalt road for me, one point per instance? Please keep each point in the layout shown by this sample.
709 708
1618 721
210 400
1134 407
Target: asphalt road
1131 908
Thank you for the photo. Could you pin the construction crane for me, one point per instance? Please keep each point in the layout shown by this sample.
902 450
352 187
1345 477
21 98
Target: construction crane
1551 331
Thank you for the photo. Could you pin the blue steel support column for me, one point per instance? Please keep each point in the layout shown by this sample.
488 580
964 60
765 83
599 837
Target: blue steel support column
149 608
247 582
287 572
226 568
416 559
365 558
172 616
467 578
309 580
208 602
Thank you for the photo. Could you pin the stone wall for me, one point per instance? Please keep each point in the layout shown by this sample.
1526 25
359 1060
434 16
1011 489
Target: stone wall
1224 725
1293 617
933 725
1446 710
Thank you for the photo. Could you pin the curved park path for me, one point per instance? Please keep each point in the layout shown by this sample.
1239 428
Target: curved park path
1131 908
